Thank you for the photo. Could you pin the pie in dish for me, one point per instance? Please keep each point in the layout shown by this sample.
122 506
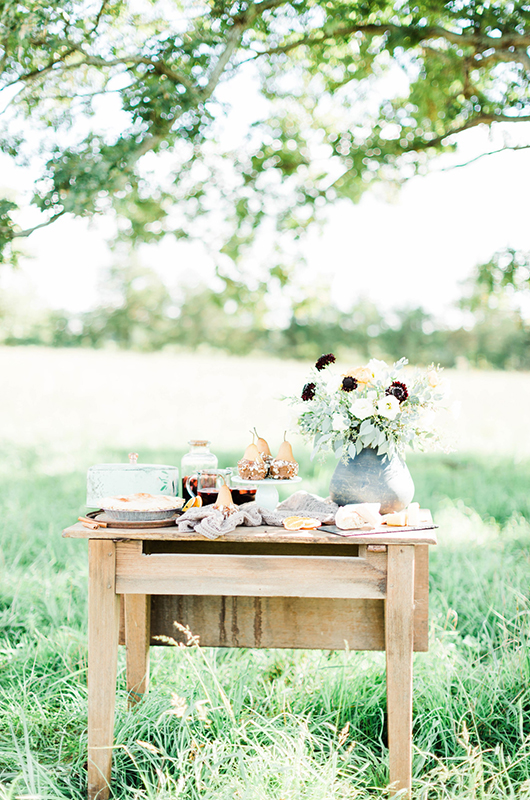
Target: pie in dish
141 501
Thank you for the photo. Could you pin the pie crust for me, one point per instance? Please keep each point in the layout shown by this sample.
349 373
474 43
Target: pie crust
141 501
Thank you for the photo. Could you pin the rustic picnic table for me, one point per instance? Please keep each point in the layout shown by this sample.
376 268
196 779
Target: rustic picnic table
254 587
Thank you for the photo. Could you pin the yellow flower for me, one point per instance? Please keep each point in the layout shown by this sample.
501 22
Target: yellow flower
361 375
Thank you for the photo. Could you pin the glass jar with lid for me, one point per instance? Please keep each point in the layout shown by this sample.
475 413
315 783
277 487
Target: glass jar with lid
198 458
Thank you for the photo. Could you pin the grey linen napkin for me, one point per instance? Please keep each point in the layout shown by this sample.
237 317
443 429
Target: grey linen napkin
305 504
212 523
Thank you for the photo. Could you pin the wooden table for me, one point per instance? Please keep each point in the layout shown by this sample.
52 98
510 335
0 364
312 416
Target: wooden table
255 587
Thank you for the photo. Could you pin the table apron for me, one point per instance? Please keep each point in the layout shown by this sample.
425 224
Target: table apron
247 575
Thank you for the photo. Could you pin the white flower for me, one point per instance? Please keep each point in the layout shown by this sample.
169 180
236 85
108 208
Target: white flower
339 423
336 413
388 406
362 408
379 369
292 426
333 383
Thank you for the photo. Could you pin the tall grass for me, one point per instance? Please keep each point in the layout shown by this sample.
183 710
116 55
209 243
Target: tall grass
275 724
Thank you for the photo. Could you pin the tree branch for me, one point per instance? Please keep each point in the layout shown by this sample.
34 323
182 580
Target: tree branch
159 66
471 123
477 41
485 118
506 56
232 42
104 4
29 231
37 73
241 23
266 5
483 155
97 61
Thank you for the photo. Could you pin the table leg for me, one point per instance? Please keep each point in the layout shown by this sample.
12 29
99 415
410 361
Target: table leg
399 631
137 638
103 623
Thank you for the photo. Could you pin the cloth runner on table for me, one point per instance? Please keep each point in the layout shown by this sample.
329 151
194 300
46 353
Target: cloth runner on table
212 523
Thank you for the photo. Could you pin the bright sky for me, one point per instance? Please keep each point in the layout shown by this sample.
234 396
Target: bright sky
415 250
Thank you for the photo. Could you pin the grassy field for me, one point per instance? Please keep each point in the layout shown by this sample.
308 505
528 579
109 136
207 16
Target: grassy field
252 724
65 407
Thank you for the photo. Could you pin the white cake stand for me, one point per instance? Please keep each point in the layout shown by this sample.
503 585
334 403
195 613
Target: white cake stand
267 492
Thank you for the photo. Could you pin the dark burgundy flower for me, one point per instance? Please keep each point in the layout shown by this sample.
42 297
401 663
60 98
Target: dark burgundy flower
308 392
349 384
324 361
399 390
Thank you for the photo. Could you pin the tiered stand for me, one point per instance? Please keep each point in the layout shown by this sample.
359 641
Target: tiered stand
266 489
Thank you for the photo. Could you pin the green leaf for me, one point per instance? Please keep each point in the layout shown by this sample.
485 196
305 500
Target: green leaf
381 438
383 448
367 427
326 425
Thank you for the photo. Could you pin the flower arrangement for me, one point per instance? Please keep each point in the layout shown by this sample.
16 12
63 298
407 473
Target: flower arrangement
378 406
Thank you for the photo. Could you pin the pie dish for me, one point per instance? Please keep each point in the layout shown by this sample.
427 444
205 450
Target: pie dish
141 506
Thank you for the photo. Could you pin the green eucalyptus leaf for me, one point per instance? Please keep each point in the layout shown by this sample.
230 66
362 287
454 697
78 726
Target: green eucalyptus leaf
383 448
367 427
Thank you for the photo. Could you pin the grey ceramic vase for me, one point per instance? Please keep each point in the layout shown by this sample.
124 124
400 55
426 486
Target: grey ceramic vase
369 478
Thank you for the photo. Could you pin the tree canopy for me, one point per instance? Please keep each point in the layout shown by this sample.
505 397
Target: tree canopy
118 107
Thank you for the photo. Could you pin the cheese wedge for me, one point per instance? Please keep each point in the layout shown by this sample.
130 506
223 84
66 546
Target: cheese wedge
396 520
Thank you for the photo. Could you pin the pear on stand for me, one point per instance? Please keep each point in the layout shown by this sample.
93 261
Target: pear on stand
284 466
264 450
225 503
252 467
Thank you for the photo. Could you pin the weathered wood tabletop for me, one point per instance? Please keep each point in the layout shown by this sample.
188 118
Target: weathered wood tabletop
383 535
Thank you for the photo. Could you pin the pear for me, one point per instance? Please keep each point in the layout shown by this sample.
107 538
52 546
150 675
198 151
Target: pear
252 466
252 453
284 467
224 497
285 453
262 445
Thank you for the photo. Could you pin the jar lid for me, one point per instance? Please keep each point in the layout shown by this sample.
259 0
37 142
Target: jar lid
199 442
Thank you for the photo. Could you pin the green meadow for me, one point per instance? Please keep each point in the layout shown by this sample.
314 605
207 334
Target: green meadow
263 724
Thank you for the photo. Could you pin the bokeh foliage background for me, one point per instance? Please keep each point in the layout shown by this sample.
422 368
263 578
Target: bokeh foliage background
120 111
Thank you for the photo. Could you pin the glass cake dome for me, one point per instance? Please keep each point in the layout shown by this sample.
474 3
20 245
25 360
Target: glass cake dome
110 480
